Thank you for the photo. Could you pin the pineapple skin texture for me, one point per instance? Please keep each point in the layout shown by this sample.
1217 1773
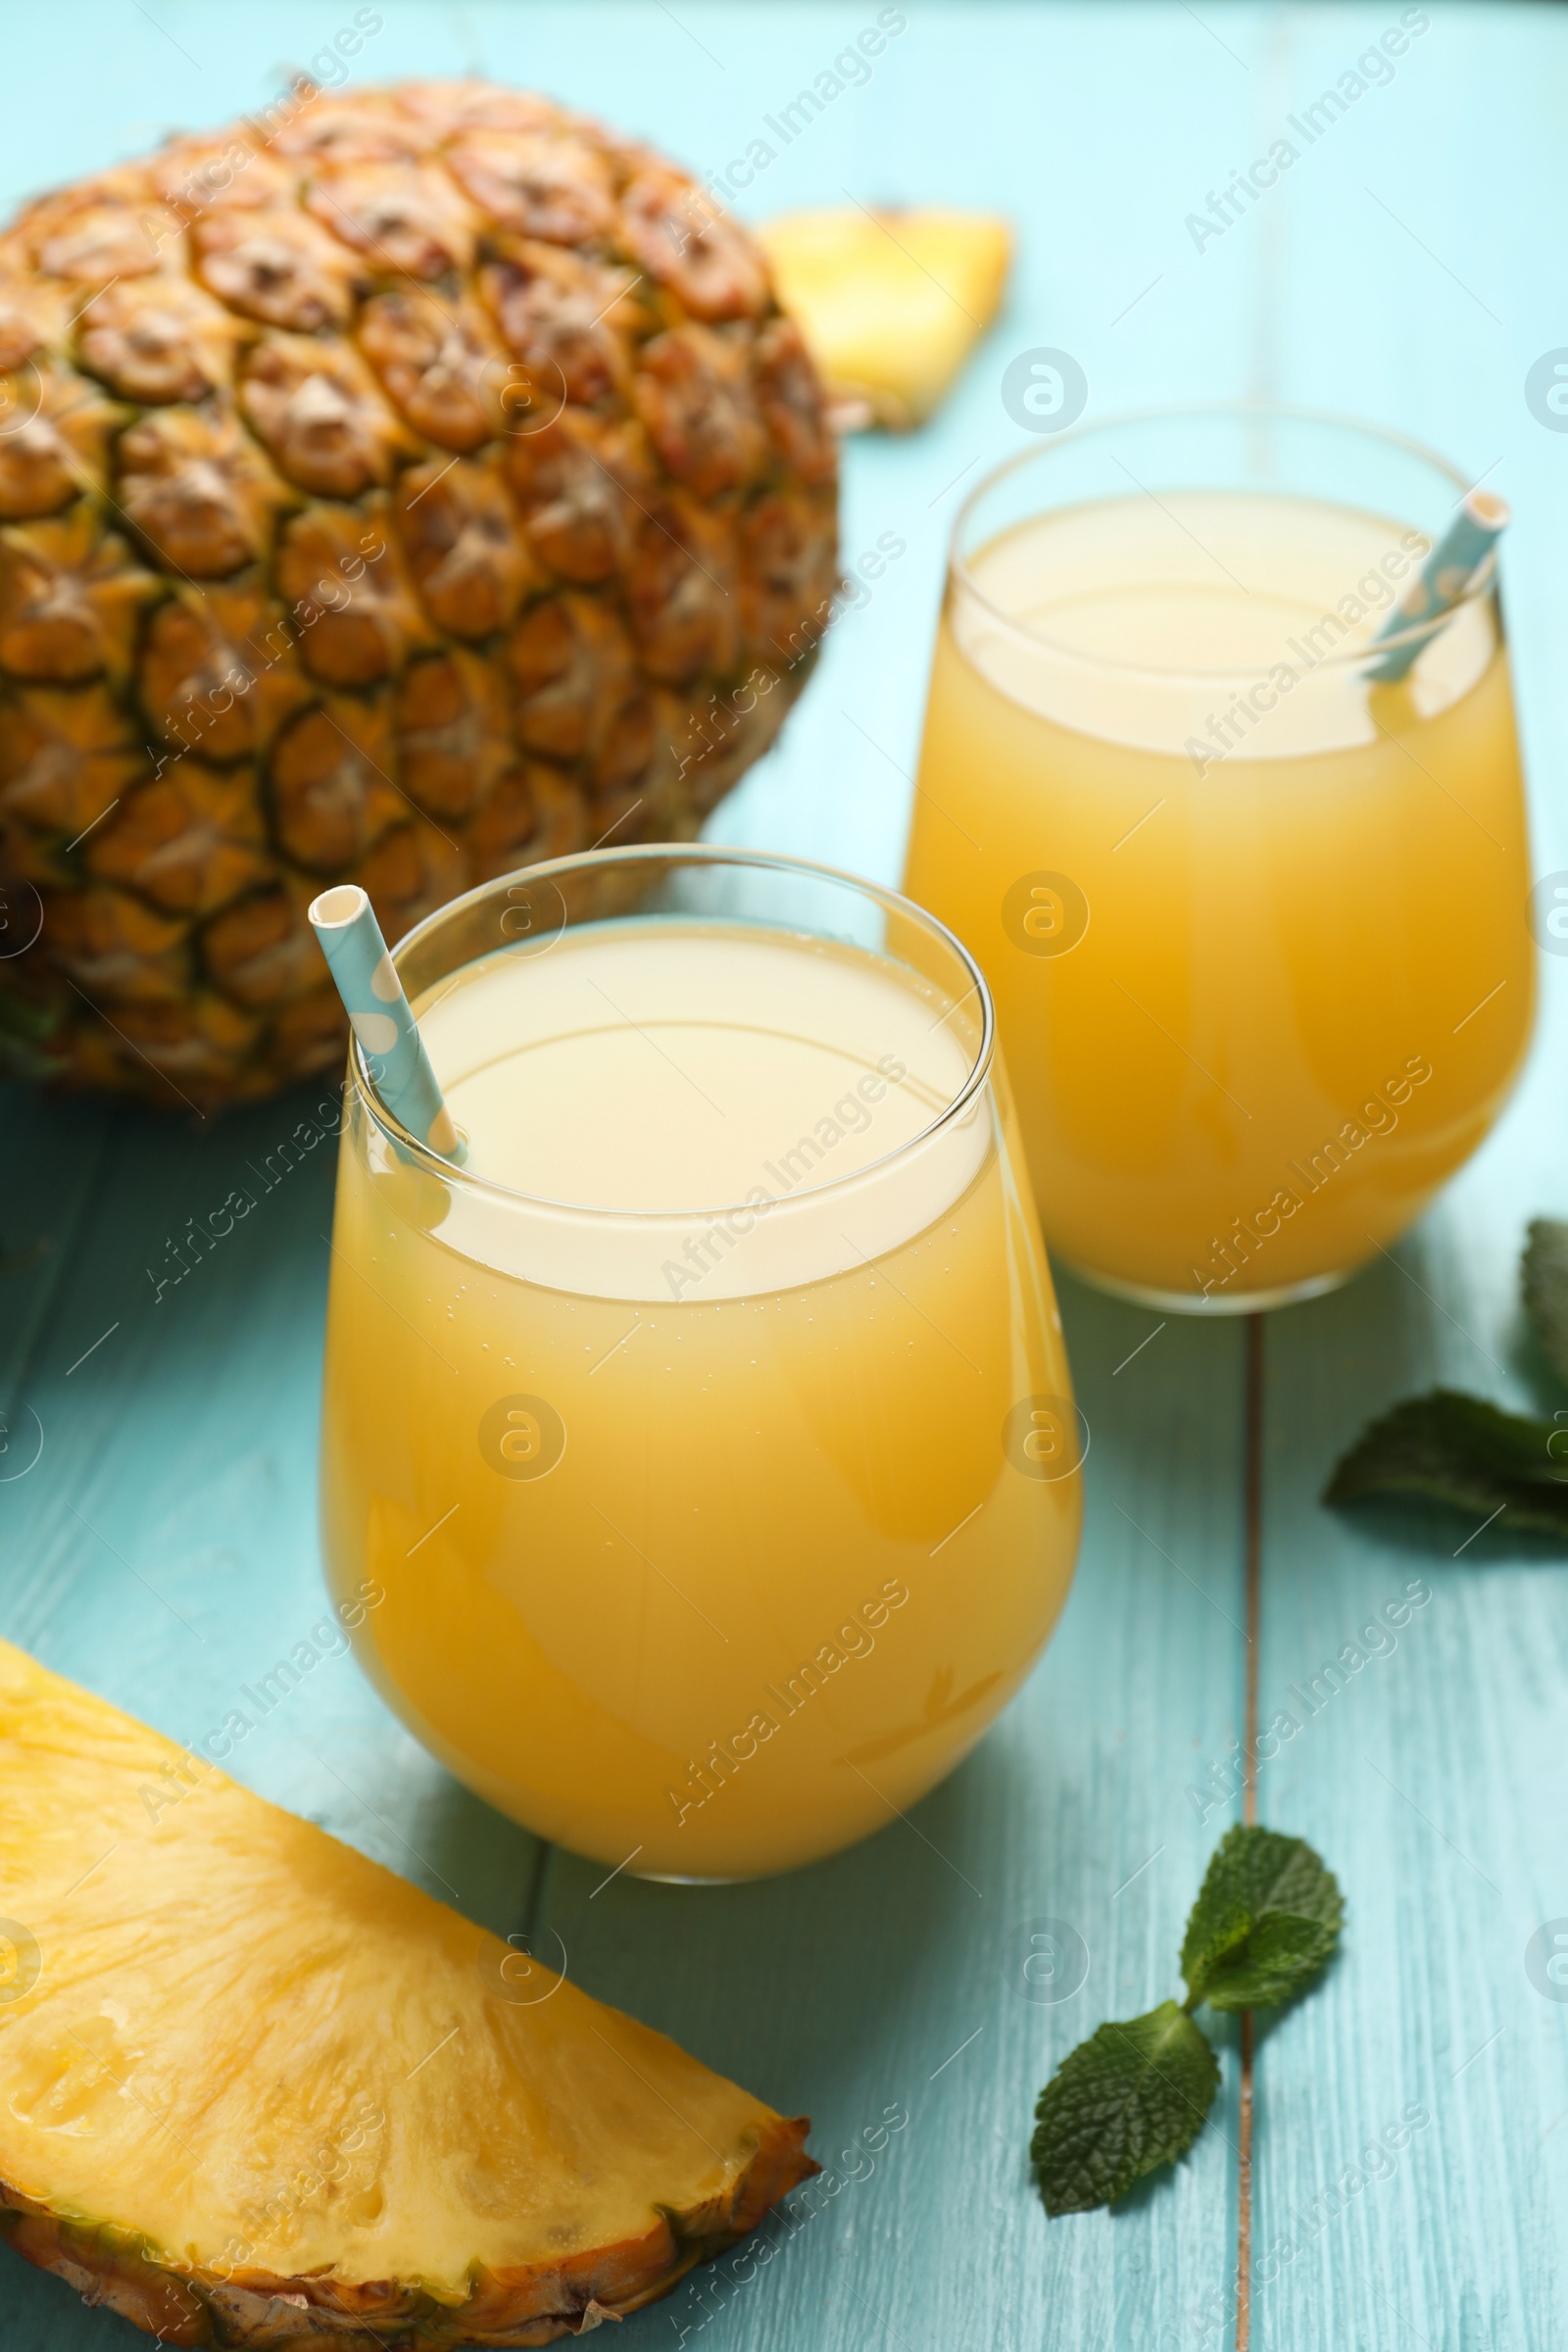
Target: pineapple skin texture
400 486
182 2187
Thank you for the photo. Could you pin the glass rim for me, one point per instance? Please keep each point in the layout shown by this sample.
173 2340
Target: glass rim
1482 584
698 854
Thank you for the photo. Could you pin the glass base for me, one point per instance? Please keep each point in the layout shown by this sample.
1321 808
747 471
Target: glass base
671 1878
1194 1302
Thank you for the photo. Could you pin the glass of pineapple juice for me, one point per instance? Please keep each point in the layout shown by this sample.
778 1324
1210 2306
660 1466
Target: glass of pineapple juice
708 1433
1256 923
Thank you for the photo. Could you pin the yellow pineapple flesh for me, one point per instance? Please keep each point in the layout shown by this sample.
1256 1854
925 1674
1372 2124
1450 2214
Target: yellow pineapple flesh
397 487
891 303
260 2092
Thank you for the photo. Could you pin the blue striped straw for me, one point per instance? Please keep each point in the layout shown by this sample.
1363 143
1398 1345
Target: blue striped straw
366 980
1443 578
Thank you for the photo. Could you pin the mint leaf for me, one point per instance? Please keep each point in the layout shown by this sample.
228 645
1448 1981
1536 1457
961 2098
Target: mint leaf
1129 2098
1451 1448
1544 1281
1267 1918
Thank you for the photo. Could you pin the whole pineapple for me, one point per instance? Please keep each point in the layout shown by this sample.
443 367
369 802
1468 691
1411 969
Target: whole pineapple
401 487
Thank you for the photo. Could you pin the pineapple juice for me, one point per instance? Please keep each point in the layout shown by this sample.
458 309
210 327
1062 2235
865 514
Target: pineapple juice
715 1448
1255 927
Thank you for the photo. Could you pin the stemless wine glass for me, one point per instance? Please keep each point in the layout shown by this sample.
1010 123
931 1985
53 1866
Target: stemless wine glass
1255 919
699 1457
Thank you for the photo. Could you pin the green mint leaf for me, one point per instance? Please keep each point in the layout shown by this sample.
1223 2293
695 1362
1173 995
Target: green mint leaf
1449 1449
1544 1280
1267 1918
1129 2098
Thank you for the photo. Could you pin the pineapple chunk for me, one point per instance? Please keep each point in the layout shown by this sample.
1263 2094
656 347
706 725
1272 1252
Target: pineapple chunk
890 303
258 2090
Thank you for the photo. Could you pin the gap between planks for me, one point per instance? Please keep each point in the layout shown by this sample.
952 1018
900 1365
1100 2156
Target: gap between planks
1254 1576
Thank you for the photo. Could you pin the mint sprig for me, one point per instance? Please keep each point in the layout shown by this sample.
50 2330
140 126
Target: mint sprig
1136 2095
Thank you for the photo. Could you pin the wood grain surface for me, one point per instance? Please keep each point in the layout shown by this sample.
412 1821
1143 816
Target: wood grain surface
1411 2164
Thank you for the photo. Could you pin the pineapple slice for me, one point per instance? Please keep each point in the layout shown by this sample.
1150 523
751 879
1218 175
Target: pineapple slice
890 303
258 2090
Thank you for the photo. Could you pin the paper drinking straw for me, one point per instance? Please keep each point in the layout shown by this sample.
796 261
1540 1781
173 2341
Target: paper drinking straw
1444 578
382 1017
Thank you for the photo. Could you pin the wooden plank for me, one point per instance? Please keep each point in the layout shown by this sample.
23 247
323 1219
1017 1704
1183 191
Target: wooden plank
804 1988
807 1988
1410 2179
857 1985
890 1977
1433 1778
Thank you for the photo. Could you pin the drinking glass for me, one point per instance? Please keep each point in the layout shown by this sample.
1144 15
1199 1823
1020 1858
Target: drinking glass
699 1458
1255 918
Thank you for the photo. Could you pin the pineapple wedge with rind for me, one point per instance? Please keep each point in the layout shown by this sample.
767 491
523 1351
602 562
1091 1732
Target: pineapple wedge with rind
890 303
257 2091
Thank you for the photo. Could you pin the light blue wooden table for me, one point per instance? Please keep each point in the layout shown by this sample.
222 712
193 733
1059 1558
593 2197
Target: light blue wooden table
163 1547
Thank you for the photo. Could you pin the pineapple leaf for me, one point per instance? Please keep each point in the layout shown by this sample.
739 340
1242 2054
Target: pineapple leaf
1544 1280
1129 2099
1447 1447
1266 1919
